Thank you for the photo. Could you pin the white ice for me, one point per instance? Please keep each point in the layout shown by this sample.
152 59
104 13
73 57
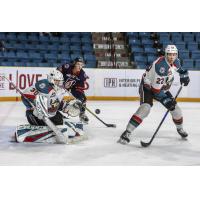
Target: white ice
101 147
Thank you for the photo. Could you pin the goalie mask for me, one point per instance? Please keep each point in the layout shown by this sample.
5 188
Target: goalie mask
55 77
73 108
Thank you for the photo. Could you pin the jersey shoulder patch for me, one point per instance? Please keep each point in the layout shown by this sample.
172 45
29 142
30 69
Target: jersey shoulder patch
161 67
43 86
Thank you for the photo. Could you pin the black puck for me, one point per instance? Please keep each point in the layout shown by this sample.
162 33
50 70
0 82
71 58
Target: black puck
97 111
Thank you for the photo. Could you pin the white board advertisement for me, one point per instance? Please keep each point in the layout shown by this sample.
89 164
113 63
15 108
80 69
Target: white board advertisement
103 82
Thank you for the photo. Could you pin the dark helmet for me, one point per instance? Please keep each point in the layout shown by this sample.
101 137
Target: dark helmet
78 59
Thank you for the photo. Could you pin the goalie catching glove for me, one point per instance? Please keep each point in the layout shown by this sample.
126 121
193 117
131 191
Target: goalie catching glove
72 108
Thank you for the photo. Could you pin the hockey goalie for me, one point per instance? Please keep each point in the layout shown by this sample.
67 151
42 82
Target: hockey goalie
50 117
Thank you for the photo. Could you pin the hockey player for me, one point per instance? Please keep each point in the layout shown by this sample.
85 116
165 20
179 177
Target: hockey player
155 84
44 105
75 82
52 89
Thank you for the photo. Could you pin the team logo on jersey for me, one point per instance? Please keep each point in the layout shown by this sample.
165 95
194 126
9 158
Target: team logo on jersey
42 85
162 70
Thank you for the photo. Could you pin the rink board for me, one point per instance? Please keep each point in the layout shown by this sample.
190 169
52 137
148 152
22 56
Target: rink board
105 84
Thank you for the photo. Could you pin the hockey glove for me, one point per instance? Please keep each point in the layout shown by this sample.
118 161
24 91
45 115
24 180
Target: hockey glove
184 77
168 102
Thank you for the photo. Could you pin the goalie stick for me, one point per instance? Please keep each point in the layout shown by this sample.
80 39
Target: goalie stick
60 139
146 144
106 124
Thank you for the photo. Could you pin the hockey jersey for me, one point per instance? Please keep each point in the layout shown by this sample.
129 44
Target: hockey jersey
78 79
159 74
54 98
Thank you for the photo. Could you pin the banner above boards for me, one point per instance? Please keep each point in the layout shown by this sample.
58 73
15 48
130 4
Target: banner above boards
102 82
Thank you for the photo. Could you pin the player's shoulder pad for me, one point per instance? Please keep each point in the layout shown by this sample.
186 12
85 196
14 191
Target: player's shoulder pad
43 86
161 66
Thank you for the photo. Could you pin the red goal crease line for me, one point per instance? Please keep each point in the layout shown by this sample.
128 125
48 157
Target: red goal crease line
108 98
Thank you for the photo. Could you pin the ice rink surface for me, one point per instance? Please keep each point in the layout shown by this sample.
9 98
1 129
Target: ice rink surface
101 147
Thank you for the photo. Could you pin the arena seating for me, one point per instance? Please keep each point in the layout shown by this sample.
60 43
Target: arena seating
45 50
143 47
50 50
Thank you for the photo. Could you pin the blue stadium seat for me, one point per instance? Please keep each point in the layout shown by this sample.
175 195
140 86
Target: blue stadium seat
33 38
189 38
86 40
19 64
137 50
150 50
197 63
8 63
52 47
180 45
164 38
41 47
22 38
77 51
147 42
188 63
50 57
72 34
134 42
88 34
177 37
9 55
28 46
135 34
89 57
54 39
75 47
141 65
22 55
144 34
44 38
2 36
64 47
35 55
140 59
87 48
43 65
192 46
151 59
64 56
75 40
196 55
11 36
90 64
184 54
65 40
31 64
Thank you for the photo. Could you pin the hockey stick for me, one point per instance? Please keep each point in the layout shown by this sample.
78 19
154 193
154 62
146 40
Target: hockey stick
146 144
58 135
106 124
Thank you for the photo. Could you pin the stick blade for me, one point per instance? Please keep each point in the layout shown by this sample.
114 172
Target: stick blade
111 125
145 144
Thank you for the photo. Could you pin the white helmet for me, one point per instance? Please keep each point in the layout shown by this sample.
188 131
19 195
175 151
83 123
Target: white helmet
171 49
55 77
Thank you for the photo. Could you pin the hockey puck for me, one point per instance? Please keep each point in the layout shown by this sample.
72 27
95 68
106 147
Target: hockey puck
97 111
